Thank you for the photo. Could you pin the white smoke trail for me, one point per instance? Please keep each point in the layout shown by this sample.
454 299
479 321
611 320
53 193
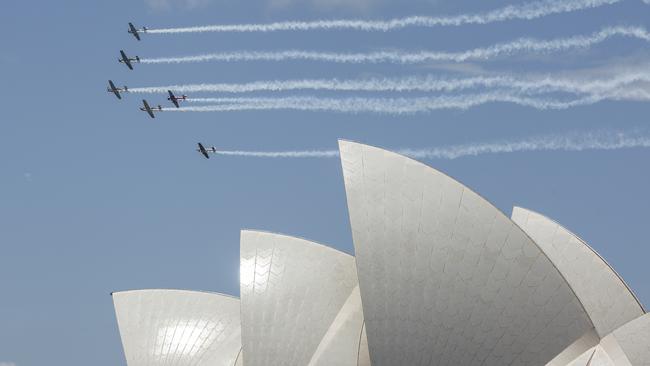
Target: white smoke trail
393 106
401 57
525 11
599 140
524 84
400 106
282 154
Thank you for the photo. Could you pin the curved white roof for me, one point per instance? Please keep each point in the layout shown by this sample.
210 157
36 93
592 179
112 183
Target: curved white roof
576 350
607 299
341 344
629 345
292 291
594 356
599 358
364 352
240 360
174 327
445 277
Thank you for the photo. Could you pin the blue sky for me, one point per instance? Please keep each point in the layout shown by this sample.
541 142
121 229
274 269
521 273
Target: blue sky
95 197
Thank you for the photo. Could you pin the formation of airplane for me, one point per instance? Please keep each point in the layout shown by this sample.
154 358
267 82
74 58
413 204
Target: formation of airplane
127 60
204 151
174 99
149 109
135 31
112 89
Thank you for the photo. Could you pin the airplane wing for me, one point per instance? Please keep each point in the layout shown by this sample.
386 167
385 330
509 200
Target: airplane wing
173 98
203 151
134 31
147 109
126 60
114 89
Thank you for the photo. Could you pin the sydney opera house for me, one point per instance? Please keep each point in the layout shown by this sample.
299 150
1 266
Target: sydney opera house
439 277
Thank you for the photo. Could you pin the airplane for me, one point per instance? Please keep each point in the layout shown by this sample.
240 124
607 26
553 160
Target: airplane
112 89
148 109
205 151
127 60
136 32
174 99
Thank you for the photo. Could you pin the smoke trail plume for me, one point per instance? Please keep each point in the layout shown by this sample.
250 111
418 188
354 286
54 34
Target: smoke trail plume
527 11
523 84
401 57
599 140
400 106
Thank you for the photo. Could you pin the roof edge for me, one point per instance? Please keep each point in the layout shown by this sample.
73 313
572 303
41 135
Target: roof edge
177 290
271 233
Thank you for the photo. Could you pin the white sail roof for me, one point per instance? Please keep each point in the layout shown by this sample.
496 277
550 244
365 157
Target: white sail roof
292 291
445 277
607 299
180 328
342 343
629 345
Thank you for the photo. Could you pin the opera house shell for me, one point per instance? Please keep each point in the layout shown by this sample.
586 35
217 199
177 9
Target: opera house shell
439 277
